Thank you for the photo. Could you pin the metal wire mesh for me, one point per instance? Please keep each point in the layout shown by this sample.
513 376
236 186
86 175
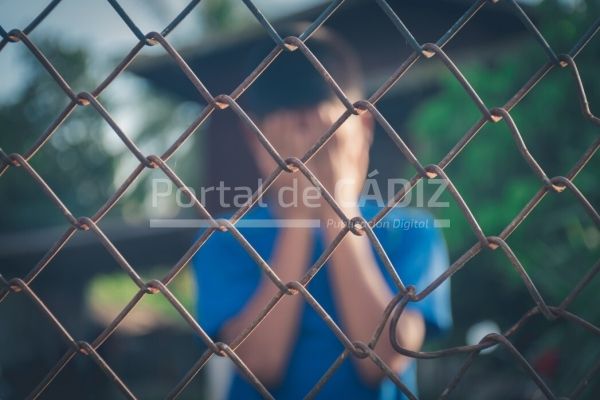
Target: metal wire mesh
353 225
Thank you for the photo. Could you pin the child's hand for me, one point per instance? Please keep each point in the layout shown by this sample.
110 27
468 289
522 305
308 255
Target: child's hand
341 165
291 133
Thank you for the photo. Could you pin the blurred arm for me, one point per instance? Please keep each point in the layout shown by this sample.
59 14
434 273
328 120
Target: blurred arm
362 294
267 349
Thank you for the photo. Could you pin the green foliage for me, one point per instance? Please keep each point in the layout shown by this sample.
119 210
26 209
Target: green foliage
219 14
490 172
113 291
73 162
84 161
558 242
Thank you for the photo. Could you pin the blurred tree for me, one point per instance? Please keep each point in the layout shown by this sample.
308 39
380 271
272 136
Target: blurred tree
558 242
219 15
84 160
73 161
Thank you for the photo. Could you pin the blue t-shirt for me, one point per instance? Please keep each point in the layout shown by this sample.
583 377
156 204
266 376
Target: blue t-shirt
226 278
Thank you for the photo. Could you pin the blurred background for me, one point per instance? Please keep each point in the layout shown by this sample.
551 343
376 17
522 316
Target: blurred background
152 101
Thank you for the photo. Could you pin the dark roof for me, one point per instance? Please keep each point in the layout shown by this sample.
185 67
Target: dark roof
381 48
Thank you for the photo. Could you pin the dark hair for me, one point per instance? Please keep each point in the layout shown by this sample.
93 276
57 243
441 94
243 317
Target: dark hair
291 81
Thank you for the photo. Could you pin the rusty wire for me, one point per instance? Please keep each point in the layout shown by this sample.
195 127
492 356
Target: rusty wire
353 225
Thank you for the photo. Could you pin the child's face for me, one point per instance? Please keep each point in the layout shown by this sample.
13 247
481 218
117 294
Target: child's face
293 132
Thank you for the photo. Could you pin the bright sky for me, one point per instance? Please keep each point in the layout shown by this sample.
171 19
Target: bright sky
95 24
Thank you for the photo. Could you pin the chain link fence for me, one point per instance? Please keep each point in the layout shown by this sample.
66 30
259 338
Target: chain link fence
21 286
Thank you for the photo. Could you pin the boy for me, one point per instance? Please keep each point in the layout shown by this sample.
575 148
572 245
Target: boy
293 347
